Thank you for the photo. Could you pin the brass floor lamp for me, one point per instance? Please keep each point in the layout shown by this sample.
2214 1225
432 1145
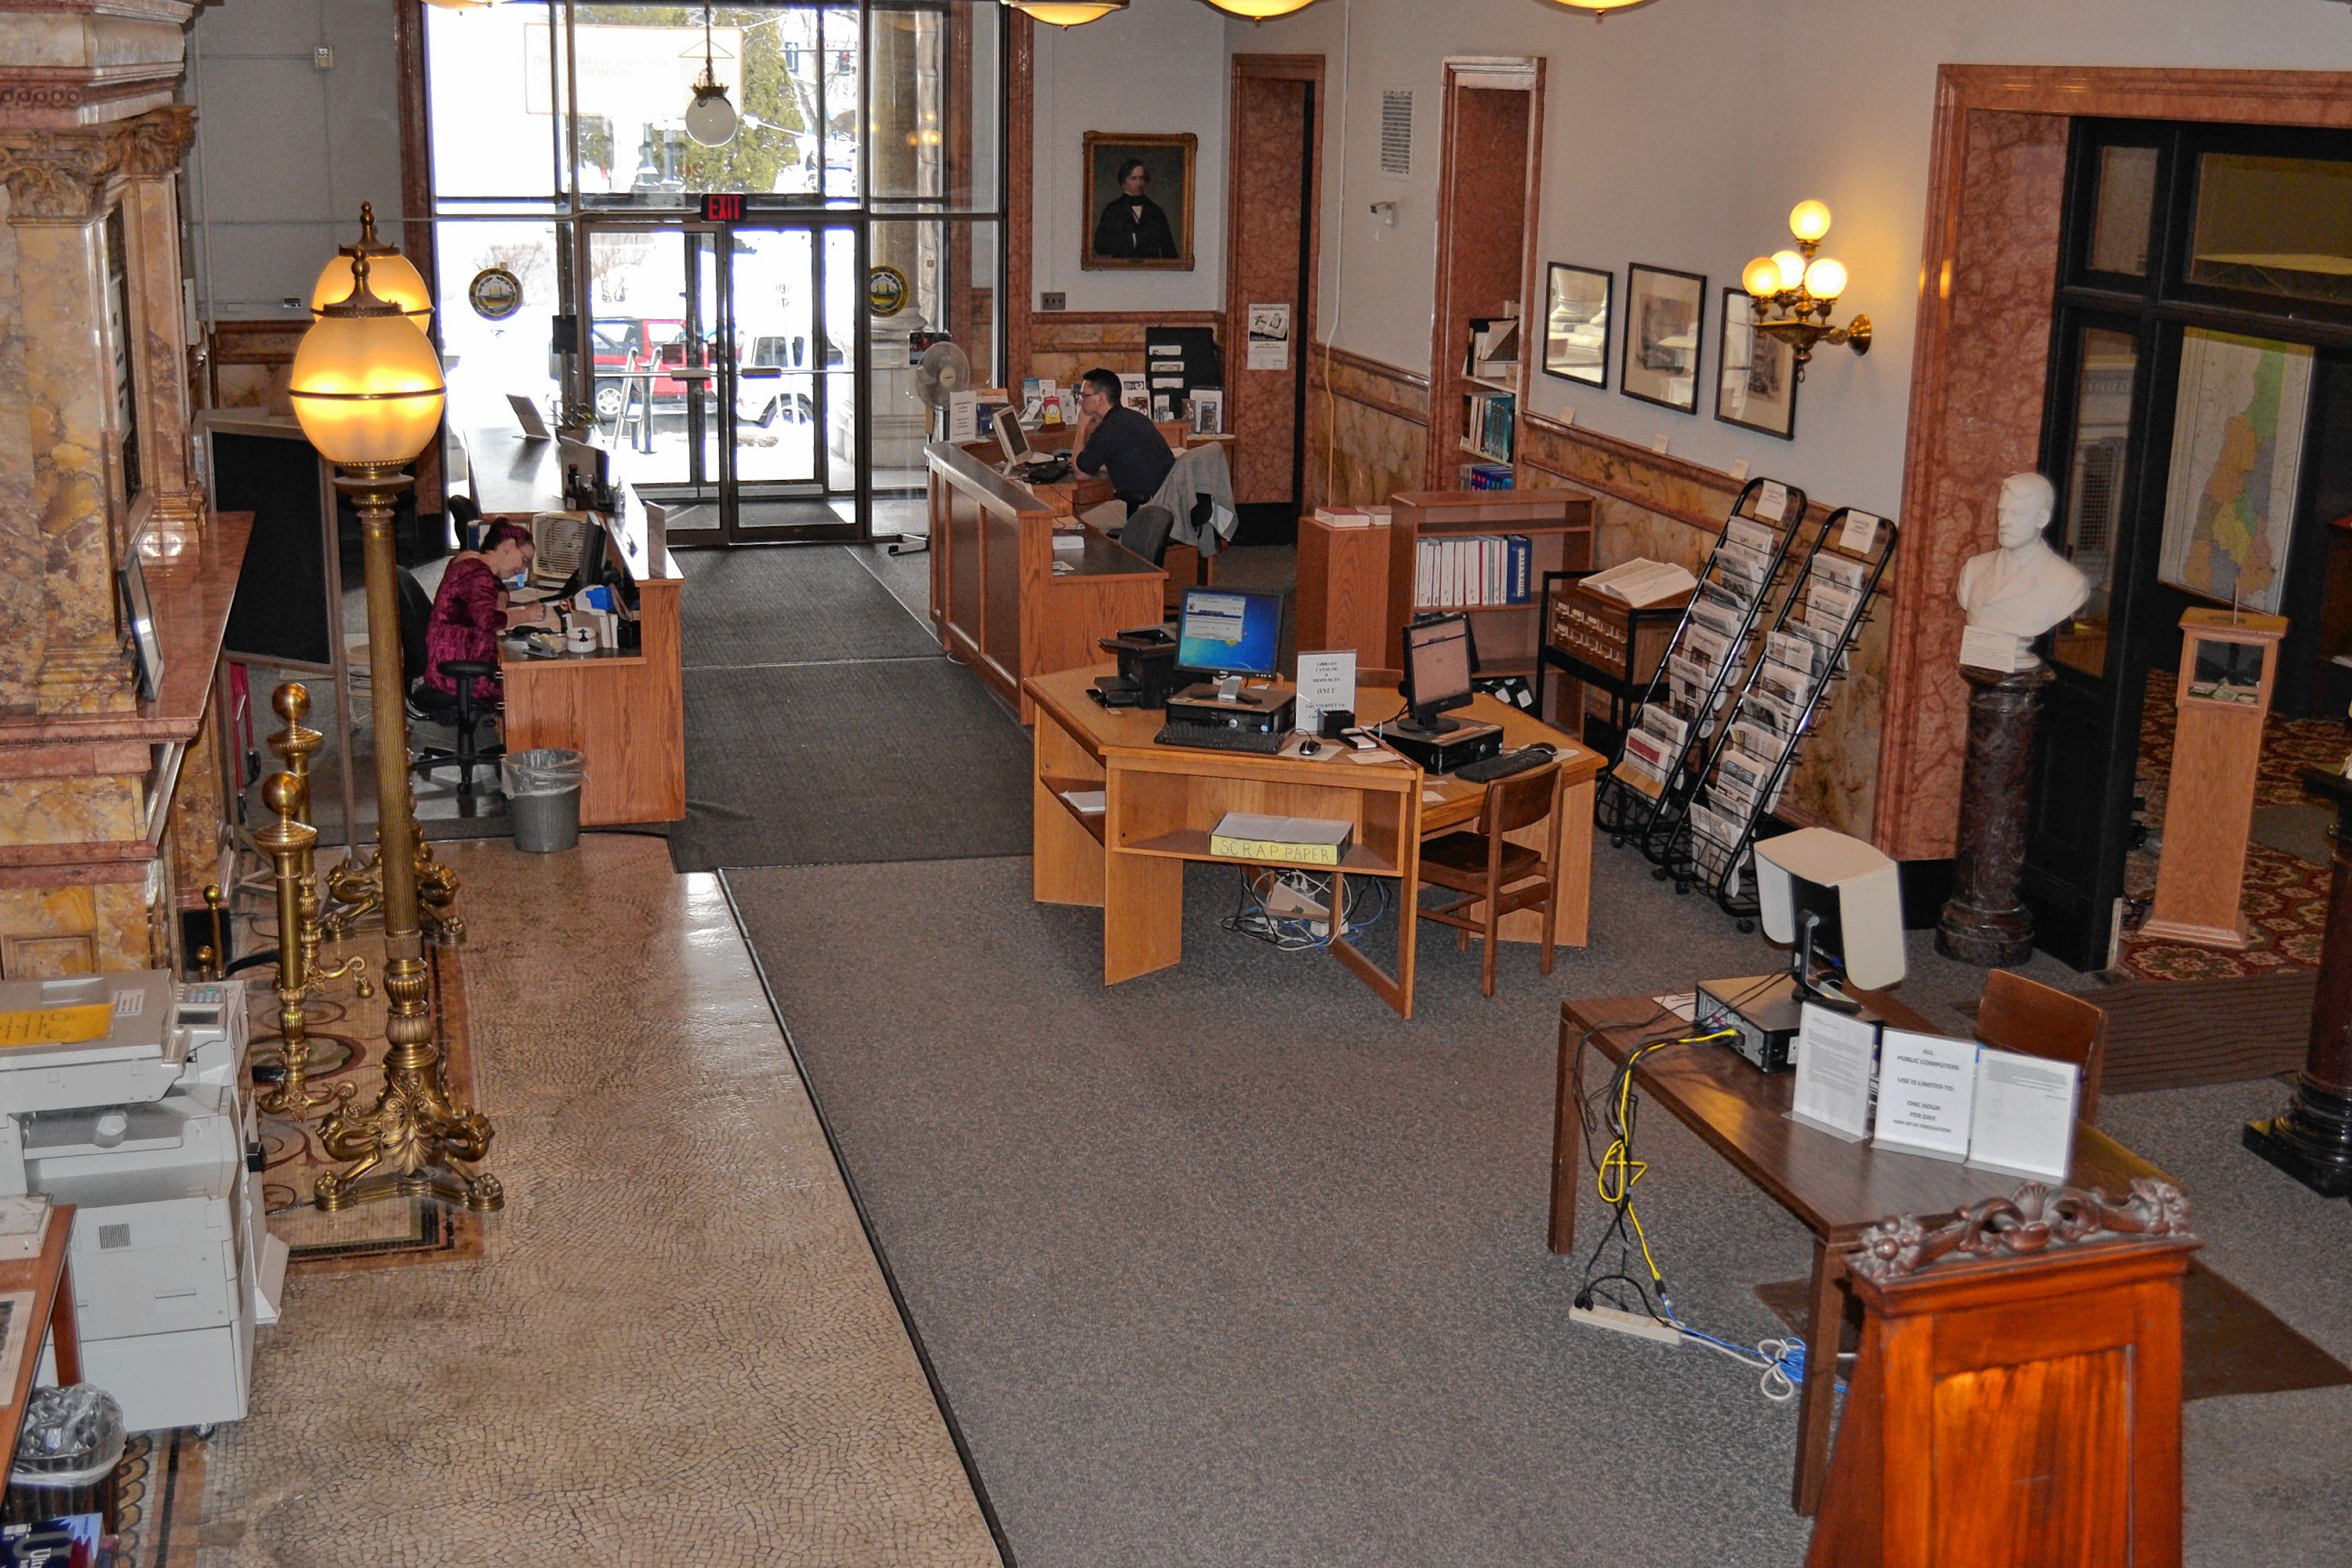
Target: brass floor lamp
367 388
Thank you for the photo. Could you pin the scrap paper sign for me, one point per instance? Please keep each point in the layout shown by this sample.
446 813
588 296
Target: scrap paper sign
56 1026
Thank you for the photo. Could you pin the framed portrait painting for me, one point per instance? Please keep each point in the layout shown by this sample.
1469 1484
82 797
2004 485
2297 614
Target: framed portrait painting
1665 328
1576 323
1756 384
1138 200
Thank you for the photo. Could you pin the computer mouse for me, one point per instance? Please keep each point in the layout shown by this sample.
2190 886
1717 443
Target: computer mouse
1308 748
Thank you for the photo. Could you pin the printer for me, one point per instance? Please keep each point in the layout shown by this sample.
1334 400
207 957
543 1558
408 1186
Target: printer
148 1131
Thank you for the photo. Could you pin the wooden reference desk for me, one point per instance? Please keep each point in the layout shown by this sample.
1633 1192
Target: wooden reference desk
512 475
50 1279
1162 801
1082 492
1835 1188
625 713
997 604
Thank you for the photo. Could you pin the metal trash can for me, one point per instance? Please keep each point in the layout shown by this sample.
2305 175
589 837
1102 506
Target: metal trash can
543 798
67 1453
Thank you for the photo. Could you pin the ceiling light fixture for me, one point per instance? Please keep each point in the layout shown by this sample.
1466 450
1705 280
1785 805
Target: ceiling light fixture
710 119
1600 8
1067 13
1261 10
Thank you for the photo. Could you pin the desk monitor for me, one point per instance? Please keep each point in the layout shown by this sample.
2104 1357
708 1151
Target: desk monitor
1222 633
1010 437
1838 903
526 413
1439 656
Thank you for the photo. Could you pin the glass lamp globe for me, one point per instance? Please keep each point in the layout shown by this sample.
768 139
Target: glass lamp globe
1598 8
1067 13
391 277
1261 10
710 119
1825 278
1792 268
1761 278
366 385
1809 220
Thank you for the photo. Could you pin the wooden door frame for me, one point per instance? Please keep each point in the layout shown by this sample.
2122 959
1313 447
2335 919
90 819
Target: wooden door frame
1512 73
1308 68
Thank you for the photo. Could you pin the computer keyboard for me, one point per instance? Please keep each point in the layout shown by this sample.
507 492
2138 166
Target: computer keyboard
1506 764
1218 738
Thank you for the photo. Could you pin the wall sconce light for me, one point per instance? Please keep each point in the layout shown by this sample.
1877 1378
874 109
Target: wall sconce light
1791 292
1067 13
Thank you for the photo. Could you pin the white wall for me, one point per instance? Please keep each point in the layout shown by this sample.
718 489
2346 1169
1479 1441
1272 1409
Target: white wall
285 152
1679 134
1158 66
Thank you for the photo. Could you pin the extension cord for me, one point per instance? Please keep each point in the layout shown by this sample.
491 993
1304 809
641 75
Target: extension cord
1286 902
1634 1323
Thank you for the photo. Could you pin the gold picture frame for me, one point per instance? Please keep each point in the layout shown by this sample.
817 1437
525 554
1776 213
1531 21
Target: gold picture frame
1159 237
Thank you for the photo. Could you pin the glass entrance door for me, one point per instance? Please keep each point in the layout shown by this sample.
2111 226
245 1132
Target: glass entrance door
722 375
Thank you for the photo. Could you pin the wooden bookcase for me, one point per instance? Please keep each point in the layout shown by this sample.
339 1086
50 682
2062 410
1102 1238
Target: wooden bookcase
1558 524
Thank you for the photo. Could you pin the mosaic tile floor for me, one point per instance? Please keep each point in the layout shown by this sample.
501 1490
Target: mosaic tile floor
676 1345
2285 896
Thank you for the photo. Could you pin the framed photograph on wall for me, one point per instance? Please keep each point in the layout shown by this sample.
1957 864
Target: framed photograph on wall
1756 384
1665 328
138 626
1576 323
1138 200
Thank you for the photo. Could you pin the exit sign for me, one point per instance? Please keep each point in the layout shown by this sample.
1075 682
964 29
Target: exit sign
726 208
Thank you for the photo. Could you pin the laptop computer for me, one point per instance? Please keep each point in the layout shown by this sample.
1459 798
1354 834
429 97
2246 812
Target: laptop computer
526 413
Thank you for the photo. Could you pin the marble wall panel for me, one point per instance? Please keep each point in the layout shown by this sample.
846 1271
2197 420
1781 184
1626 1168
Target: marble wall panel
1382 418
72 929
1986 349
23 553
71 811
199 810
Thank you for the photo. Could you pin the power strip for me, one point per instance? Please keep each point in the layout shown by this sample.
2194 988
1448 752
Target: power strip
1634 1323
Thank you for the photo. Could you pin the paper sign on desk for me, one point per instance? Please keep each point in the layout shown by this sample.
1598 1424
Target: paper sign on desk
56 1026
2024 1117
1837 1058
1325 681
1926 1091
1772 502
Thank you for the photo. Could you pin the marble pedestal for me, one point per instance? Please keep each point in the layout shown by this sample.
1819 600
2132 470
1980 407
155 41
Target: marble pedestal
1984 922
2312 1138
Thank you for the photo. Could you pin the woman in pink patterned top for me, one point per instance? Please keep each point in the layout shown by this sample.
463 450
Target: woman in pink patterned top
470 612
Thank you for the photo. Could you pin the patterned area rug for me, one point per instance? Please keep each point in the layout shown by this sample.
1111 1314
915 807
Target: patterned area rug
347 1047
2285 897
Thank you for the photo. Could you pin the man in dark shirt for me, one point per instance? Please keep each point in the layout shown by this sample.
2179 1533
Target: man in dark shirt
1134 227
1119 440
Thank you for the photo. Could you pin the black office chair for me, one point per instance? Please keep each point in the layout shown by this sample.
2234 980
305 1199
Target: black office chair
459 711
1146 533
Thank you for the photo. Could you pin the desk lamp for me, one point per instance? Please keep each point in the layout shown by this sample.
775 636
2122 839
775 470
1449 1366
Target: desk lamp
368 391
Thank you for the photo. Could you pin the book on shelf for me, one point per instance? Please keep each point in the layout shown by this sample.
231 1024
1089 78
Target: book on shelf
1487 477
1343 516
1642 581
1310 841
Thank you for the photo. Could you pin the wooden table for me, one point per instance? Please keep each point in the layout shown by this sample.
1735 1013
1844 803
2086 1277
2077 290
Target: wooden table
50 1279
1835 1188
1162 801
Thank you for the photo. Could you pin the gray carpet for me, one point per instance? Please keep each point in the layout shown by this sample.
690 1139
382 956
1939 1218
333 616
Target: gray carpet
1230 1264
792 605
2299 828
906 758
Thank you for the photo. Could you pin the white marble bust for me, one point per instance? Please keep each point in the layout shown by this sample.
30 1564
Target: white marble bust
2024 587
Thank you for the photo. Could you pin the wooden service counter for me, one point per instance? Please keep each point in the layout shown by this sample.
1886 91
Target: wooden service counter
997 603
625 713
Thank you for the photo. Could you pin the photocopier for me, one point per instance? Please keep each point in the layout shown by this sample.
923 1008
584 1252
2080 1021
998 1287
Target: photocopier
148 1130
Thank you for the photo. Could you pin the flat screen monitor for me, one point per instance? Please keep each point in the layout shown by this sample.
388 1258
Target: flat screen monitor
1438 658
1838 902
1225 633
1010 437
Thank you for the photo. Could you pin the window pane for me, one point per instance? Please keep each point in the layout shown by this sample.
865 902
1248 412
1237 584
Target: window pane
493 85
950 267
2275 225
2094 488
487 360
934 91
2126 207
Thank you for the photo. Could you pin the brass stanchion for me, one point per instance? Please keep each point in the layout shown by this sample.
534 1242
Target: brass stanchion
411 1142
297 744
288 842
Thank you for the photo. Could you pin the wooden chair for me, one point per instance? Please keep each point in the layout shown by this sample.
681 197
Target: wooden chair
1492 872
2034 1020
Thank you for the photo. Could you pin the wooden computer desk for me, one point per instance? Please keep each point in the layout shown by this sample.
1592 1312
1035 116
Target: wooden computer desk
625 713
1836 1189
1082 493
997 603
1127 859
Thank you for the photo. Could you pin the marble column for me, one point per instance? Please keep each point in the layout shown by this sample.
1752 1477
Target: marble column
1984 922
172 502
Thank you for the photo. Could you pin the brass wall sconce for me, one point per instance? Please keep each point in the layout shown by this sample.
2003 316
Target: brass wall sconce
1790 293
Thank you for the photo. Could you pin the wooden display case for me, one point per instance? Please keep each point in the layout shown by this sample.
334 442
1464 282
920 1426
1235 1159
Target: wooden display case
1343 590
1608 650
2229 664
